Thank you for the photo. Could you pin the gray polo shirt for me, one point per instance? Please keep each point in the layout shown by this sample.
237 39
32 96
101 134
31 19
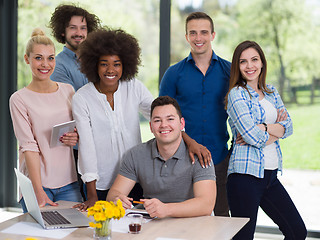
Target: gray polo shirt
168 181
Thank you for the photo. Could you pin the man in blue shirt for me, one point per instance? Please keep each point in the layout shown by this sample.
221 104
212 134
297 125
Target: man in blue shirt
70 25
199 83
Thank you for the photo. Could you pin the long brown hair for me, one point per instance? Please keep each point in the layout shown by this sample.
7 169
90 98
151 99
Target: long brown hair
236 79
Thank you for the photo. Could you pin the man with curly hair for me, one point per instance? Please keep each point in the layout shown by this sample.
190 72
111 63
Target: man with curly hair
70 25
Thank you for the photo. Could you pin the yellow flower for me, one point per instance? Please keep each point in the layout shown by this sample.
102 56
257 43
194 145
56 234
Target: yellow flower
90 209
109 212
119 203
98 217
103 211
122 212
90 212
97 208
117 213
31 238
108 205
103 217
98 225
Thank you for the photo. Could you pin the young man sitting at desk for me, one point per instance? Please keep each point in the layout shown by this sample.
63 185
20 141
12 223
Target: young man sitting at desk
172 185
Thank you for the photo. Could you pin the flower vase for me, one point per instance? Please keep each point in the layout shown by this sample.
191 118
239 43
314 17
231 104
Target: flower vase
103 233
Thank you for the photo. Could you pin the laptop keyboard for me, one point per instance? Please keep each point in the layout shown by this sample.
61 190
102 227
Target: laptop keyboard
54 218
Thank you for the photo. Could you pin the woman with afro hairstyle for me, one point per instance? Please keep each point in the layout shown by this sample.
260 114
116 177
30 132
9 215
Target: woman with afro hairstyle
107 108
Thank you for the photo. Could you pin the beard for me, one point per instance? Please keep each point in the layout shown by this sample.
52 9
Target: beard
72 45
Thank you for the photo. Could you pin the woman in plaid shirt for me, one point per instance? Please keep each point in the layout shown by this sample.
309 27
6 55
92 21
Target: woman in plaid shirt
258 119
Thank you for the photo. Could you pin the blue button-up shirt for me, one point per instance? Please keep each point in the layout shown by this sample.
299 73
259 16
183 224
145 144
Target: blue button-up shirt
67 69
245 114
201 98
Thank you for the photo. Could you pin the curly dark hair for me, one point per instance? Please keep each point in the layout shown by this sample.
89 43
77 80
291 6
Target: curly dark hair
62 15
106 41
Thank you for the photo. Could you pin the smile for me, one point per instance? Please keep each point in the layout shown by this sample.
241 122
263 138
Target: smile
199 44
44 71
165 132
111 77
78 38
251 72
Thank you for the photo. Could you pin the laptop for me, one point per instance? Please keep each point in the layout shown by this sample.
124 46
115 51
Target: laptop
53 218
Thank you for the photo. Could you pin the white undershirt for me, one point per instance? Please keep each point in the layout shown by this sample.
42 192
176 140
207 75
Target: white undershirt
270 152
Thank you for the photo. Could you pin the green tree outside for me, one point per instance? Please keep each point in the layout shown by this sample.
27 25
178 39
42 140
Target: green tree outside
288 31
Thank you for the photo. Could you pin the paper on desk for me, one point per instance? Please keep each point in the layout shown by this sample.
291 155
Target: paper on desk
35 230
122 225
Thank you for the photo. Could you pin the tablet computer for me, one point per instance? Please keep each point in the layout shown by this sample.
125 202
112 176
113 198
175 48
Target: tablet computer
60 129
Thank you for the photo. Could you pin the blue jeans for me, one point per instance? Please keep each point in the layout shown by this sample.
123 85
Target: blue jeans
246 193
69 192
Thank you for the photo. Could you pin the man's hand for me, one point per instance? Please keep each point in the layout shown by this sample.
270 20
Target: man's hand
156 208
126 201
202 153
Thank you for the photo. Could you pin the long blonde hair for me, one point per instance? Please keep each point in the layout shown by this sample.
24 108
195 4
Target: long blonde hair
37 37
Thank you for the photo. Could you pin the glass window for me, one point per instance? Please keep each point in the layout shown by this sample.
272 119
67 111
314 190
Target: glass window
289 34
139 18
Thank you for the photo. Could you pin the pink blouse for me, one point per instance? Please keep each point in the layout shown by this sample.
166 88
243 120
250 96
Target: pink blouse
33 115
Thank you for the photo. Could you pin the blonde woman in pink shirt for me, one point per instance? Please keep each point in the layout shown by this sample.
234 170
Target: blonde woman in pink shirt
35 109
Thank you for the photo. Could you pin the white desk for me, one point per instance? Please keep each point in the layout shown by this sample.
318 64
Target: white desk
199 228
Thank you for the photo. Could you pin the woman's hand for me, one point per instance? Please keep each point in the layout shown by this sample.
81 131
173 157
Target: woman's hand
70 138
202 153
282 115
91 195
87 204
43 199
239 140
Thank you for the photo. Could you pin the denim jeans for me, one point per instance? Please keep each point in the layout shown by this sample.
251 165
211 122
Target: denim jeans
69 192
246 193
